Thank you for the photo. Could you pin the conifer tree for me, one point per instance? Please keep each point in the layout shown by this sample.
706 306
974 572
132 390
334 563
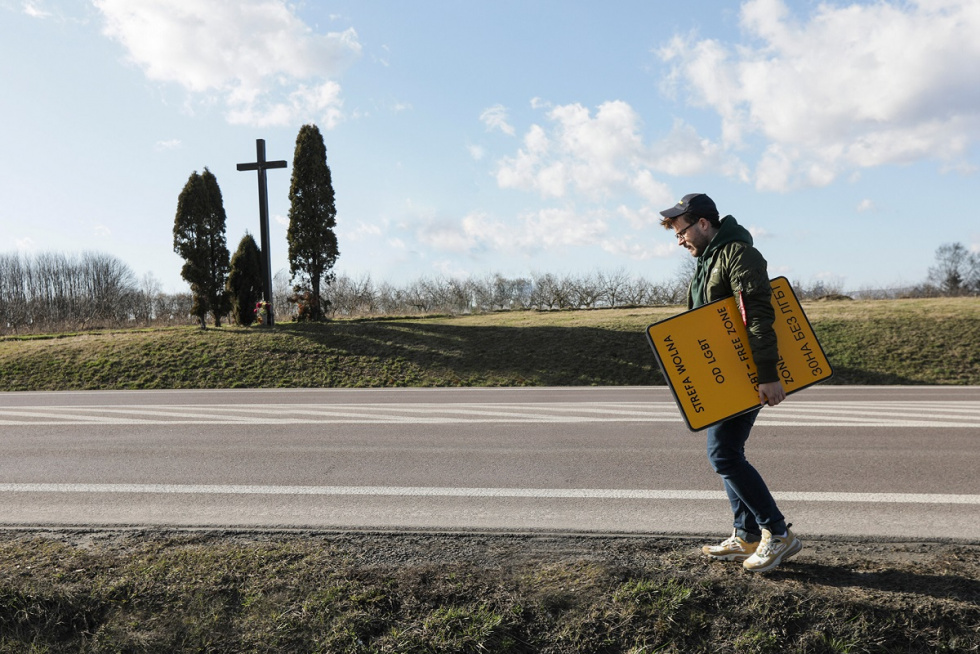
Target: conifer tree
246 281
199 237
312 217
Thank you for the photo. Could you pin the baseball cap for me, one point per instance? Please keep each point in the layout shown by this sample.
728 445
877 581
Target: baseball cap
698 204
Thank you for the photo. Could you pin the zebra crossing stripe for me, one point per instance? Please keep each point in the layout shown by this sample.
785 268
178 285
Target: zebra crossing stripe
938 414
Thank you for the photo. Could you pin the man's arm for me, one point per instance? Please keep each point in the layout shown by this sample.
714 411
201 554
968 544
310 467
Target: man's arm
750 281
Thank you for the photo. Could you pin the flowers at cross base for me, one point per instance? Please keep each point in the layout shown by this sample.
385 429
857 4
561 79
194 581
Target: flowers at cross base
262 312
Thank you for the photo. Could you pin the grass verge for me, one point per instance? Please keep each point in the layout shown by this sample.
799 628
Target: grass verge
873 342
364 592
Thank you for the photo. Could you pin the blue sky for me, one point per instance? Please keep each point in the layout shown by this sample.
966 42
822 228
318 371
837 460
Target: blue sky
511 137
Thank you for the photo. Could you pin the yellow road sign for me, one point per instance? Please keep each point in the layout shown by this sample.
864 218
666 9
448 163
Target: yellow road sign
705 357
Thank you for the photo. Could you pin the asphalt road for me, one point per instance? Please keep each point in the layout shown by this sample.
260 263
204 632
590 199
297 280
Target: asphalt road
894 462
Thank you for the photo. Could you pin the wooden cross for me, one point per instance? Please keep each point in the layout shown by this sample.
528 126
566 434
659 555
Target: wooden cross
262 165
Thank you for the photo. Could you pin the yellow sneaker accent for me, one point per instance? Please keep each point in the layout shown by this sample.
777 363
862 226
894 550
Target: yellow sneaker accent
732 548
772 551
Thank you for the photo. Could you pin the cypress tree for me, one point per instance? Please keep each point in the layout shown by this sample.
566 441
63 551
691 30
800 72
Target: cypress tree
199 237
312 216
246 281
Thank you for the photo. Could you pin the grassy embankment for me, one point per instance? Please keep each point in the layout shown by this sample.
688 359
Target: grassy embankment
868 342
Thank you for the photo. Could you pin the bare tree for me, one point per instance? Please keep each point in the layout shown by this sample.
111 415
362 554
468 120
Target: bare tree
13 294
957 270
390 299
495 292
347 296
613 286
174 308
819 288
108 282
587 291
456 295
281 292
145 298
550 292
417 295
636 292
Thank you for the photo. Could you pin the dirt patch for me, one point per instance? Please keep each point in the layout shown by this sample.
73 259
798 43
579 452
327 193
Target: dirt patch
227 591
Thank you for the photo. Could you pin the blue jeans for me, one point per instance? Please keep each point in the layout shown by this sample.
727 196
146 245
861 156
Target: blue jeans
752 503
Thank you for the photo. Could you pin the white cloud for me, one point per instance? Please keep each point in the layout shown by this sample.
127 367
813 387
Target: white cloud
544 229
603 154
26 244
450 269
361 231
646 216
320 103
592 156
594 162
496 117
169 144
559 227
848 87
866 205
599 147
476 152
651 189
530 169
266 65
683 152
33 10
640 251
447 237
384 58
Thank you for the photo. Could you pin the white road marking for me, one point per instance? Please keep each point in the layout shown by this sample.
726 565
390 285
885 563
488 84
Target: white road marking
925 414
530 493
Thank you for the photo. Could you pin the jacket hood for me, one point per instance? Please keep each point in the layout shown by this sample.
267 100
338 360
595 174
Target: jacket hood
729 232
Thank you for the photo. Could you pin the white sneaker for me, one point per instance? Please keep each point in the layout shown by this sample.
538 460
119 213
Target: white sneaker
732 548
772 551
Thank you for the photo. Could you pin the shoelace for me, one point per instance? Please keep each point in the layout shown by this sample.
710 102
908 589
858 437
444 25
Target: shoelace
765 547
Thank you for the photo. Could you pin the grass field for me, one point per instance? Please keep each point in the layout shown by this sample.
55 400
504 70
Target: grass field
932 341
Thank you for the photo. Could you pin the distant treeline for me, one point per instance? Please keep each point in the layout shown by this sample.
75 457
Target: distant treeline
91 290
59 292
349 297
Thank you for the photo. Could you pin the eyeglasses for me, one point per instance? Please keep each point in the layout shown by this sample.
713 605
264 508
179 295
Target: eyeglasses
680 234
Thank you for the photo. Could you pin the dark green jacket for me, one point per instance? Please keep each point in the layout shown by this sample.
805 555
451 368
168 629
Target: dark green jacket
731 266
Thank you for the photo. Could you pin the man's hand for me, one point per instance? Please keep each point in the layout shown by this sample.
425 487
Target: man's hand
771 393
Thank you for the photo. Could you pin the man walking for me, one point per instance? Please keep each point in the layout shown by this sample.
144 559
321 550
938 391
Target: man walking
728 264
